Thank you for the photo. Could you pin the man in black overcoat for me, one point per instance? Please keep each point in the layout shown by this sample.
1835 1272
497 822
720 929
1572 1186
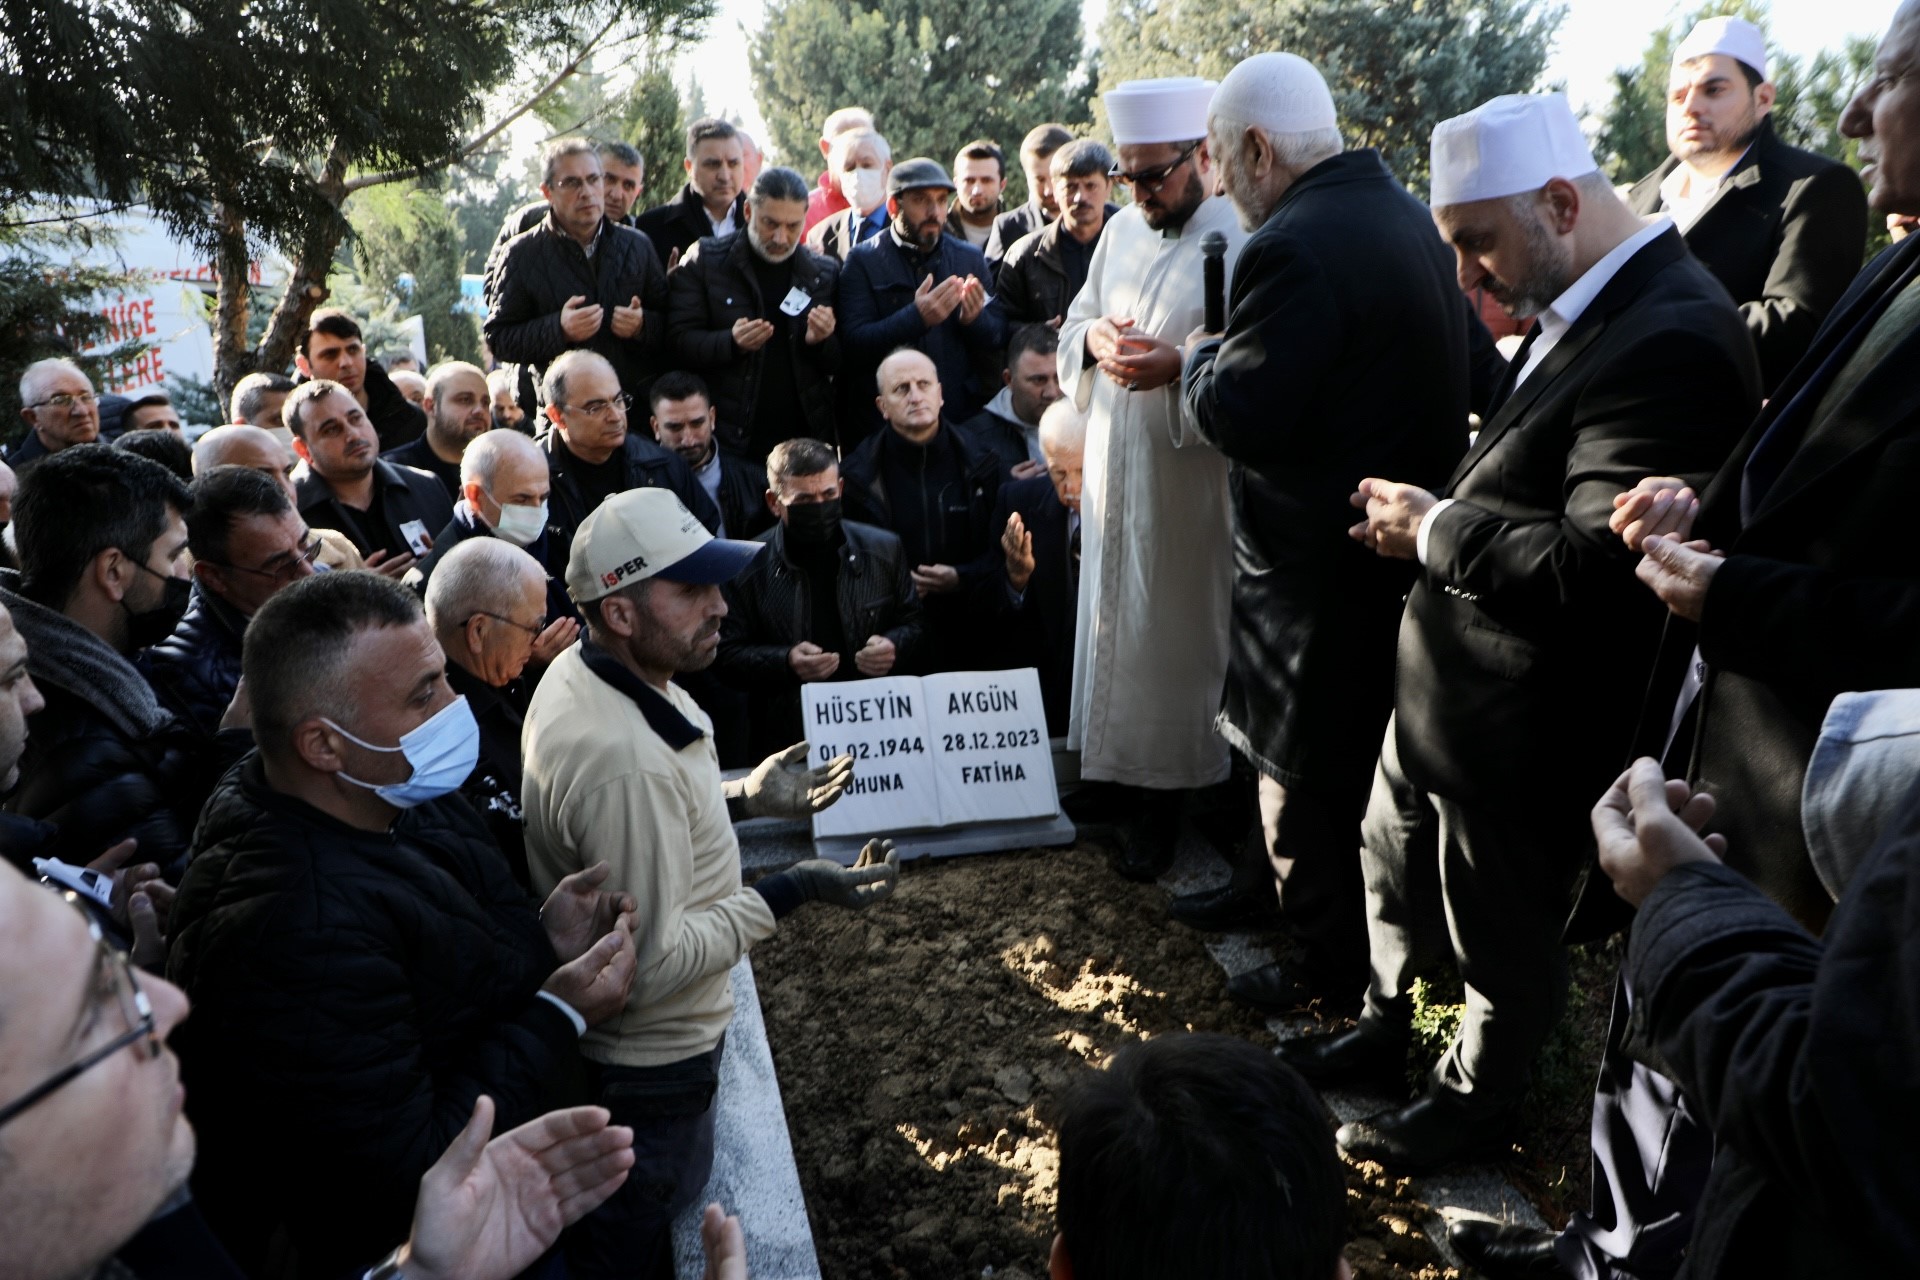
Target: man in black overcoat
1783 229
1789 581
1346 354
1526 633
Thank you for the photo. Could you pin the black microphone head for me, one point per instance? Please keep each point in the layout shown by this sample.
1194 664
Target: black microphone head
1213 245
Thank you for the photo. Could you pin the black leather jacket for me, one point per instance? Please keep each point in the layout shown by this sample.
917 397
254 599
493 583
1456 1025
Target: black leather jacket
195 670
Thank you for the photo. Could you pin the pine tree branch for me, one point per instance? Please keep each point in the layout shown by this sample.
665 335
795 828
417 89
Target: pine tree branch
420 171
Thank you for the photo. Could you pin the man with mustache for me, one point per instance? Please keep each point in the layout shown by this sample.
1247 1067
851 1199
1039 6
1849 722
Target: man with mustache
1781 228
753 315
916 285
389 512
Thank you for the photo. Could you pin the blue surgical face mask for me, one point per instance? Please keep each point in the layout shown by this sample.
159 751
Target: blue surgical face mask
442 752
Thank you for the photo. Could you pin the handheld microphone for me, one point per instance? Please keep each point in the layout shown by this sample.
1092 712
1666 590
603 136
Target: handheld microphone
1213 260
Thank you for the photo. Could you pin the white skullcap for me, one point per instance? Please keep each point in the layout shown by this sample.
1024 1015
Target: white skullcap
1735 37
1514 143
1279 92
1143 112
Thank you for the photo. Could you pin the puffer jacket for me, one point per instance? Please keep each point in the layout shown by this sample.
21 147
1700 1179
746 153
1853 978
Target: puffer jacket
195 670
769 611
715 286
355 991
540 269
104 760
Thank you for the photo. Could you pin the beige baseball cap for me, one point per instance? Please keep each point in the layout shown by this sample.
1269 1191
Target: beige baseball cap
649 533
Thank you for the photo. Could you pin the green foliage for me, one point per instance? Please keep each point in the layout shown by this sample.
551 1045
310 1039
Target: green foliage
652 119
1396 67
481 196
195 400
935 73
238 121
1811 96
1438 1006
408 246
50 308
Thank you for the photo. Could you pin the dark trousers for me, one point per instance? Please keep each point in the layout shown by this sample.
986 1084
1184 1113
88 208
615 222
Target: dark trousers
1310 839
1488 884
670 1109
1651 1157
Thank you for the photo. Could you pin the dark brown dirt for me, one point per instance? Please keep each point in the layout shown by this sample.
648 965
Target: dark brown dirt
921 1046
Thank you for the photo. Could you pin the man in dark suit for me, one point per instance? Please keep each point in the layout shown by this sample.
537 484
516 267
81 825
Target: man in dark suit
714 200
1781 228
1038 597
1526 618
1343 310
915 285
1789 581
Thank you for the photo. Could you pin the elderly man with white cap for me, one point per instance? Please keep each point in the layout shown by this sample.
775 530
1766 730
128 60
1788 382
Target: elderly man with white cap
1343 311
1150 649
1526 637
620 766
1783 229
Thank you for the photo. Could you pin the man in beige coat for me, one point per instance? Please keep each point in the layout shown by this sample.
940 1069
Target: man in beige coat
620 766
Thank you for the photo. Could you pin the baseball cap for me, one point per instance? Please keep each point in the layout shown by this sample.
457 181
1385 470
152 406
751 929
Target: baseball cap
649 533
917 174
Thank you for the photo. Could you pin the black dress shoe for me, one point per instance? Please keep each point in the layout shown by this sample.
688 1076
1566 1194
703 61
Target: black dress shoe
1353 1059
1427 1134
1502 1252
1140 857
1279 989
1227 907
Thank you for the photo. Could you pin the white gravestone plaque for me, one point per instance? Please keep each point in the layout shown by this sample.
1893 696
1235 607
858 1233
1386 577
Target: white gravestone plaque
940 752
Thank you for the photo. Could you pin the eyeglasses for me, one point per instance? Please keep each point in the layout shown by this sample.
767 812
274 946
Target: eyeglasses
65 400
573 183
1153 178
285 565
112 969
534 629
603 408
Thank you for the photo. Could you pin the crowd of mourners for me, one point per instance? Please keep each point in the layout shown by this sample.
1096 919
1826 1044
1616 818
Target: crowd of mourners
399 727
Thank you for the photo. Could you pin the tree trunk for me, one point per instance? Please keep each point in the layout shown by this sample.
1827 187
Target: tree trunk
306 287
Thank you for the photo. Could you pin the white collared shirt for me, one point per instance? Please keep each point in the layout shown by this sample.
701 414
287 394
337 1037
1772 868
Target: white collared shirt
1561 315
725 225
1685 195
709 478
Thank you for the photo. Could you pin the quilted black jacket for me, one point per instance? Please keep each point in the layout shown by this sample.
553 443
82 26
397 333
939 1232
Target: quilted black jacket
353 993
195 670
540 269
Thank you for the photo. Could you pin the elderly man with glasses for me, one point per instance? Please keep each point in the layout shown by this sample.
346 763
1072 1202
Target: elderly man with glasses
247 543
487 605
60 408
591 455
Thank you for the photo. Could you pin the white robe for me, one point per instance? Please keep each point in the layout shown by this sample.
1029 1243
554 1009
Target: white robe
1156 566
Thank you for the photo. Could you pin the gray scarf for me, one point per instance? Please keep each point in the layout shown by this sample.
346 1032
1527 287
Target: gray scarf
64 654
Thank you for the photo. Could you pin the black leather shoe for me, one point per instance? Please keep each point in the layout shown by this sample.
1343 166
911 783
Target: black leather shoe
1227 908
1427 1134
1279 989
1353 1059
1502 1252
1139 857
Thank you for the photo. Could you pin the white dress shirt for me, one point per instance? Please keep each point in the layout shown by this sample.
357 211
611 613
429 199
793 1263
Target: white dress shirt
1561 315
1685 194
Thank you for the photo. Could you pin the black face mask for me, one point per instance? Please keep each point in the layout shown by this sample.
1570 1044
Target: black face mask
151 626
814 524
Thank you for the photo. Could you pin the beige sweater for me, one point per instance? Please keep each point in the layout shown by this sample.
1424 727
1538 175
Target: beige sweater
601 782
